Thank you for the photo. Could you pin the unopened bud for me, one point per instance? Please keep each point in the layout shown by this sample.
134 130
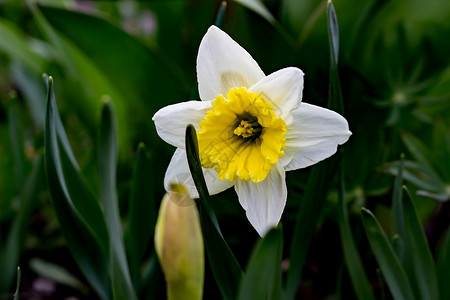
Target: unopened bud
179 245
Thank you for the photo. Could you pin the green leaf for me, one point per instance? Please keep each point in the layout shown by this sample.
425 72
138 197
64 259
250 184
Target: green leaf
151 278
56 273
93 83
443 267
417 174
418 150
382 286
33 91
364 19
197 174
83 199
440 87
220 17
391 268
78 212
63 140
352 259
16 293
263 273
129 64
143 211
14 43
400 241
441 141
106 60
300 16
122 286
335 100
14 242
306 222
17 139
225 268
398 219
333 34
421 258
258 7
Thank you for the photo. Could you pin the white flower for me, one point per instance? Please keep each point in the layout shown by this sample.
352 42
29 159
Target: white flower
251 128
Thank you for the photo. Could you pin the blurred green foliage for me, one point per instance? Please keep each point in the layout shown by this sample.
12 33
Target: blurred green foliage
393 75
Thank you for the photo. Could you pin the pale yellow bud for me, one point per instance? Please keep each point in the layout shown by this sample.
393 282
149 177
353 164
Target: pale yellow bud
179 245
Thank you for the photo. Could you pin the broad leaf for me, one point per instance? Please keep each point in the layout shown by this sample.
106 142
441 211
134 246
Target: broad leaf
14 43
263 274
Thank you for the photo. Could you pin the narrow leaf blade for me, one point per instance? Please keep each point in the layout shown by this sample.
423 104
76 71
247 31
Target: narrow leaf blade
418 150
122 286
93 260
333 34
224 265
398 219
197 174
351 254
17 138
391 268
220 17
422 260
16 293
335 101
258 7
14 242
143 210
306 222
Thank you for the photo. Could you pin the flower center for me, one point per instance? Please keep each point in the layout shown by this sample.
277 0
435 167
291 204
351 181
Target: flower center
241 136
249 129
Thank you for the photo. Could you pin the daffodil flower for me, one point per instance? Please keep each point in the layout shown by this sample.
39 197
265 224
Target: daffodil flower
251 129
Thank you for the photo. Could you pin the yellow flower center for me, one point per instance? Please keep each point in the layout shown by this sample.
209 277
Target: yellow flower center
241 136
248 129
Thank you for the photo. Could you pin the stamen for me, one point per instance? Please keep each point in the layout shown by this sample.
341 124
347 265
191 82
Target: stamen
244 129
247 127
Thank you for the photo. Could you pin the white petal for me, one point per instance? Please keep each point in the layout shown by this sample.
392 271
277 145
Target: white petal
283 89
264 201
223 64
171 121
178 172
313 136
